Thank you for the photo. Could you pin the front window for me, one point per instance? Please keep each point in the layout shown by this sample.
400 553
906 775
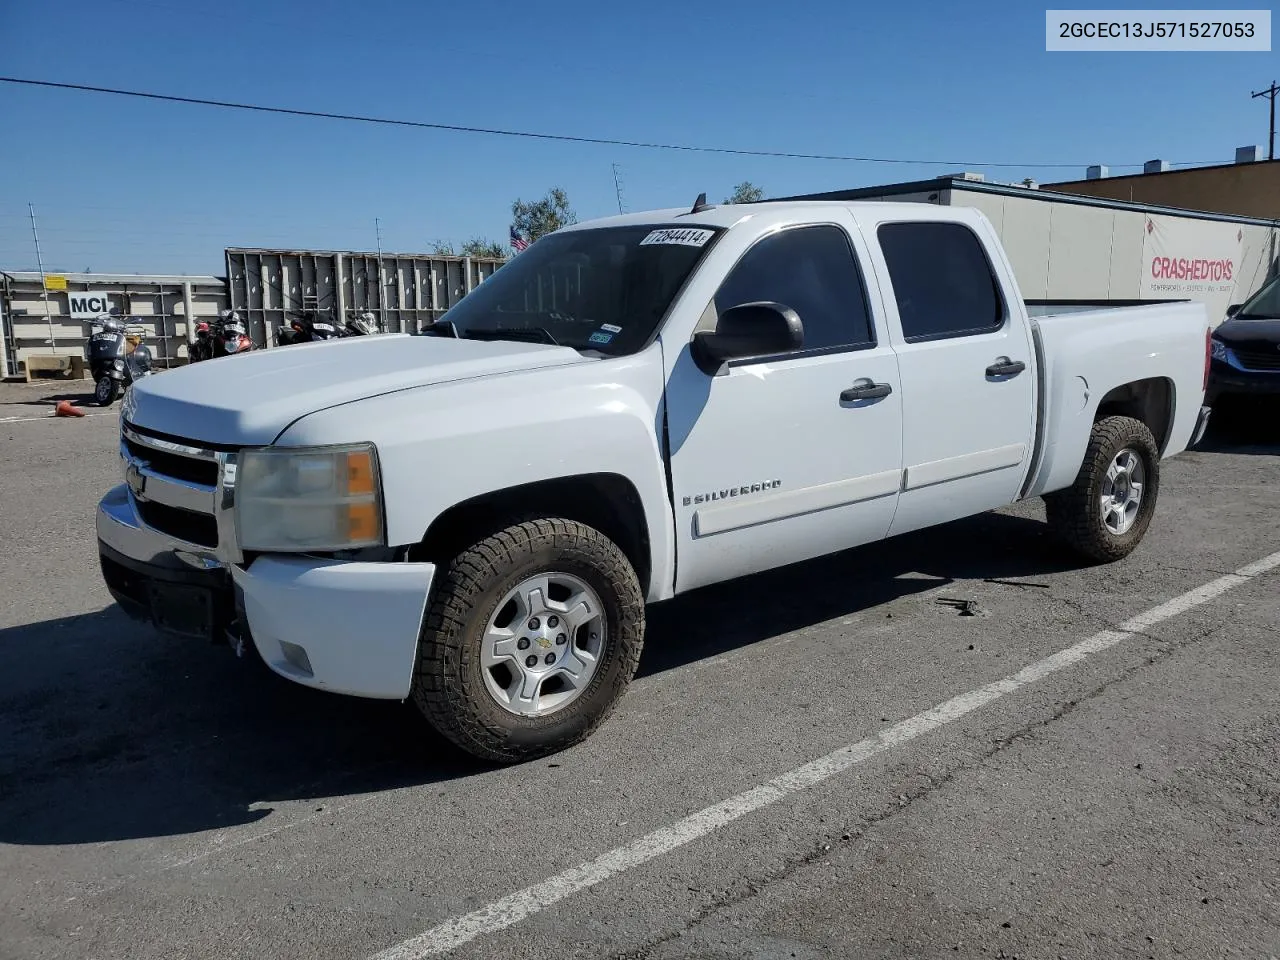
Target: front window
603 289
1263 305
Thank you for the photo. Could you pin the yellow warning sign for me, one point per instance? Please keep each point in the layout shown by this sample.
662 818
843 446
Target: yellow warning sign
55 281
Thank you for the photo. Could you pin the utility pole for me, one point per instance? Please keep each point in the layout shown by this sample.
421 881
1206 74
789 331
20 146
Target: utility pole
382 281
44 290
1270 93
617 188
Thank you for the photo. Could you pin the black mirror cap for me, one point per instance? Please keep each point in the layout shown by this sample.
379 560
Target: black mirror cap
1234 309
756 329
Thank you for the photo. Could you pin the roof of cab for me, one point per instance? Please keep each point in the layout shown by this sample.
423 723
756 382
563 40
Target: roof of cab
729 214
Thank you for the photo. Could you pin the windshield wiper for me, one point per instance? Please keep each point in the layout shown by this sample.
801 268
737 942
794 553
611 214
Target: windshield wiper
526 334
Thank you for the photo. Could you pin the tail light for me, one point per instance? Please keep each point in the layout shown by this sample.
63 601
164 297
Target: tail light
1208 355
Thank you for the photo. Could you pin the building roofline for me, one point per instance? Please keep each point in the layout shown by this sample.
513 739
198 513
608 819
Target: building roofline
1166 173
1011 190
168 280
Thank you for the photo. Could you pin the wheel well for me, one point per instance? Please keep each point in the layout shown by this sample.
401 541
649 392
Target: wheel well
1150 401
607 501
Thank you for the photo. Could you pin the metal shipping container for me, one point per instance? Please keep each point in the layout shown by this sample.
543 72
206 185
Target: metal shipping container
403 291
1071 252
160 305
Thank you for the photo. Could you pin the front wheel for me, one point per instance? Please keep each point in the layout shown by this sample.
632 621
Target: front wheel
1104 515
531 638
105 391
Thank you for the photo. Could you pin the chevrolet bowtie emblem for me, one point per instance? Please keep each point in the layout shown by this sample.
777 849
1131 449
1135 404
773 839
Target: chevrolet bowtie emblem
136 480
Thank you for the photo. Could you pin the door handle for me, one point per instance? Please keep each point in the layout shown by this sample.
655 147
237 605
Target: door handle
866 389
1004 367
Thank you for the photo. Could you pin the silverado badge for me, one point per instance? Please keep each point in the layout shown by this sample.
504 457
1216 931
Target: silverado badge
730 492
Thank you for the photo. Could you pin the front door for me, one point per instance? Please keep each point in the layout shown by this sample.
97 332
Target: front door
775 461
968 373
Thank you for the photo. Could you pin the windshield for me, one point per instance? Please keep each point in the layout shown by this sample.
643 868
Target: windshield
1263 305
602 289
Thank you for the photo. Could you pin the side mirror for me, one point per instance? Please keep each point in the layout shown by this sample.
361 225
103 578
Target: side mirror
1234 309
747 330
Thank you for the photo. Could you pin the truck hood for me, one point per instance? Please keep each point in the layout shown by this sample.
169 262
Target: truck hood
249 399
1245 331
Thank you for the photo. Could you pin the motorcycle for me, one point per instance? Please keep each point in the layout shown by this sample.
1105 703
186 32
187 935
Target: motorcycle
202 348
361 325
117 358
230 336
306 328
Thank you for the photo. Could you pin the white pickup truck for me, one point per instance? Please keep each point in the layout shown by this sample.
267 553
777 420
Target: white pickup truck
632 408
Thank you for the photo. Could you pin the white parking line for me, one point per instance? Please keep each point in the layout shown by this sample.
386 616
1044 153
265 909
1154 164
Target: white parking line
49 416
518 906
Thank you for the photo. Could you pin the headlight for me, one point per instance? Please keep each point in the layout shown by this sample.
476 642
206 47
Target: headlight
1218 350
118 363
309 498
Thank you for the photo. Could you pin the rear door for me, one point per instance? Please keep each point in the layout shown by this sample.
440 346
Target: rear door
968 370
775 461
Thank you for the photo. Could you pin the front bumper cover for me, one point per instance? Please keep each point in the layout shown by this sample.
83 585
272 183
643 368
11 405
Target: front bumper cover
1228 381
345 626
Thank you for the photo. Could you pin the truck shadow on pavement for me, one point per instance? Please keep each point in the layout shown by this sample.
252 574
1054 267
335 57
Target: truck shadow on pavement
114 732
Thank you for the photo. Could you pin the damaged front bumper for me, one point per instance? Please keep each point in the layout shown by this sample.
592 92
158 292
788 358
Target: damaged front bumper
345 626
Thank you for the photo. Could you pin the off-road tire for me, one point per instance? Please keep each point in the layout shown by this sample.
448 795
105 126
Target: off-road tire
1075 514
448 686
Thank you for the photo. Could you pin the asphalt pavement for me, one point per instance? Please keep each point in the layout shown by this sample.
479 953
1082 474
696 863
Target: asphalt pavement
839 759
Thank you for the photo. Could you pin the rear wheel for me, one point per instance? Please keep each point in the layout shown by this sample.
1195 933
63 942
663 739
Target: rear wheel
531 638
1104 515
105 391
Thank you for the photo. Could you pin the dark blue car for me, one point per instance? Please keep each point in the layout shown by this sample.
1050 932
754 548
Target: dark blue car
1246 349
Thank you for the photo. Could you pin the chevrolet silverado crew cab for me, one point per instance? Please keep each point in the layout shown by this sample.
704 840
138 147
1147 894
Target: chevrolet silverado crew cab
632 408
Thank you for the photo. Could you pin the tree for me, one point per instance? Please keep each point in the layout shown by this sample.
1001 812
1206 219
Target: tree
442 248
533 220
745 192
476 247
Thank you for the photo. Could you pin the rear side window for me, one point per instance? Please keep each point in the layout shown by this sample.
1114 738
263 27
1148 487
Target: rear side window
813 271
942 280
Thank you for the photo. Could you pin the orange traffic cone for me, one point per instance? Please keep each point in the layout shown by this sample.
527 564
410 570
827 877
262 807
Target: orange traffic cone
65 409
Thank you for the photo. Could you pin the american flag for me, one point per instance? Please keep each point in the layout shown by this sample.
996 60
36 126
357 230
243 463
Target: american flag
518 243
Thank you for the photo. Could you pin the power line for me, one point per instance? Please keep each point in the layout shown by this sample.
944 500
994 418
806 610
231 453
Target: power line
456 128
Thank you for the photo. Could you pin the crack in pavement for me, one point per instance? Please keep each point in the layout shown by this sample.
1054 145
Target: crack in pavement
822 849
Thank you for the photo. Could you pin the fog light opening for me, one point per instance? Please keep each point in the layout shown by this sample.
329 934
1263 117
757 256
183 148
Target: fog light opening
297 657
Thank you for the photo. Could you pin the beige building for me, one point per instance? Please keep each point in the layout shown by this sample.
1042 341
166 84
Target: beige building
1246 188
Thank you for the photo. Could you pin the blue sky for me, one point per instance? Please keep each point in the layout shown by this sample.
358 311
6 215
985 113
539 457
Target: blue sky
139 186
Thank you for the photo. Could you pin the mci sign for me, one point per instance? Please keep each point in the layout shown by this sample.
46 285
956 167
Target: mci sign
86 306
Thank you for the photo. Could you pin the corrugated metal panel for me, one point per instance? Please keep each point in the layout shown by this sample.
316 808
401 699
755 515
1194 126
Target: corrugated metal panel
403 291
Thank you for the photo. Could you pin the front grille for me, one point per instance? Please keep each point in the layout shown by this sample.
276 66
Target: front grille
167 503
174 465
198 528
1256 359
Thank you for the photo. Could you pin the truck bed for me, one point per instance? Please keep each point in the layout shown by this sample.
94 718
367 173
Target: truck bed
1084 355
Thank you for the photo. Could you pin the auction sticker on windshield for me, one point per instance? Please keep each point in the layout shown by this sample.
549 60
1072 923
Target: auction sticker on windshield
685 237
